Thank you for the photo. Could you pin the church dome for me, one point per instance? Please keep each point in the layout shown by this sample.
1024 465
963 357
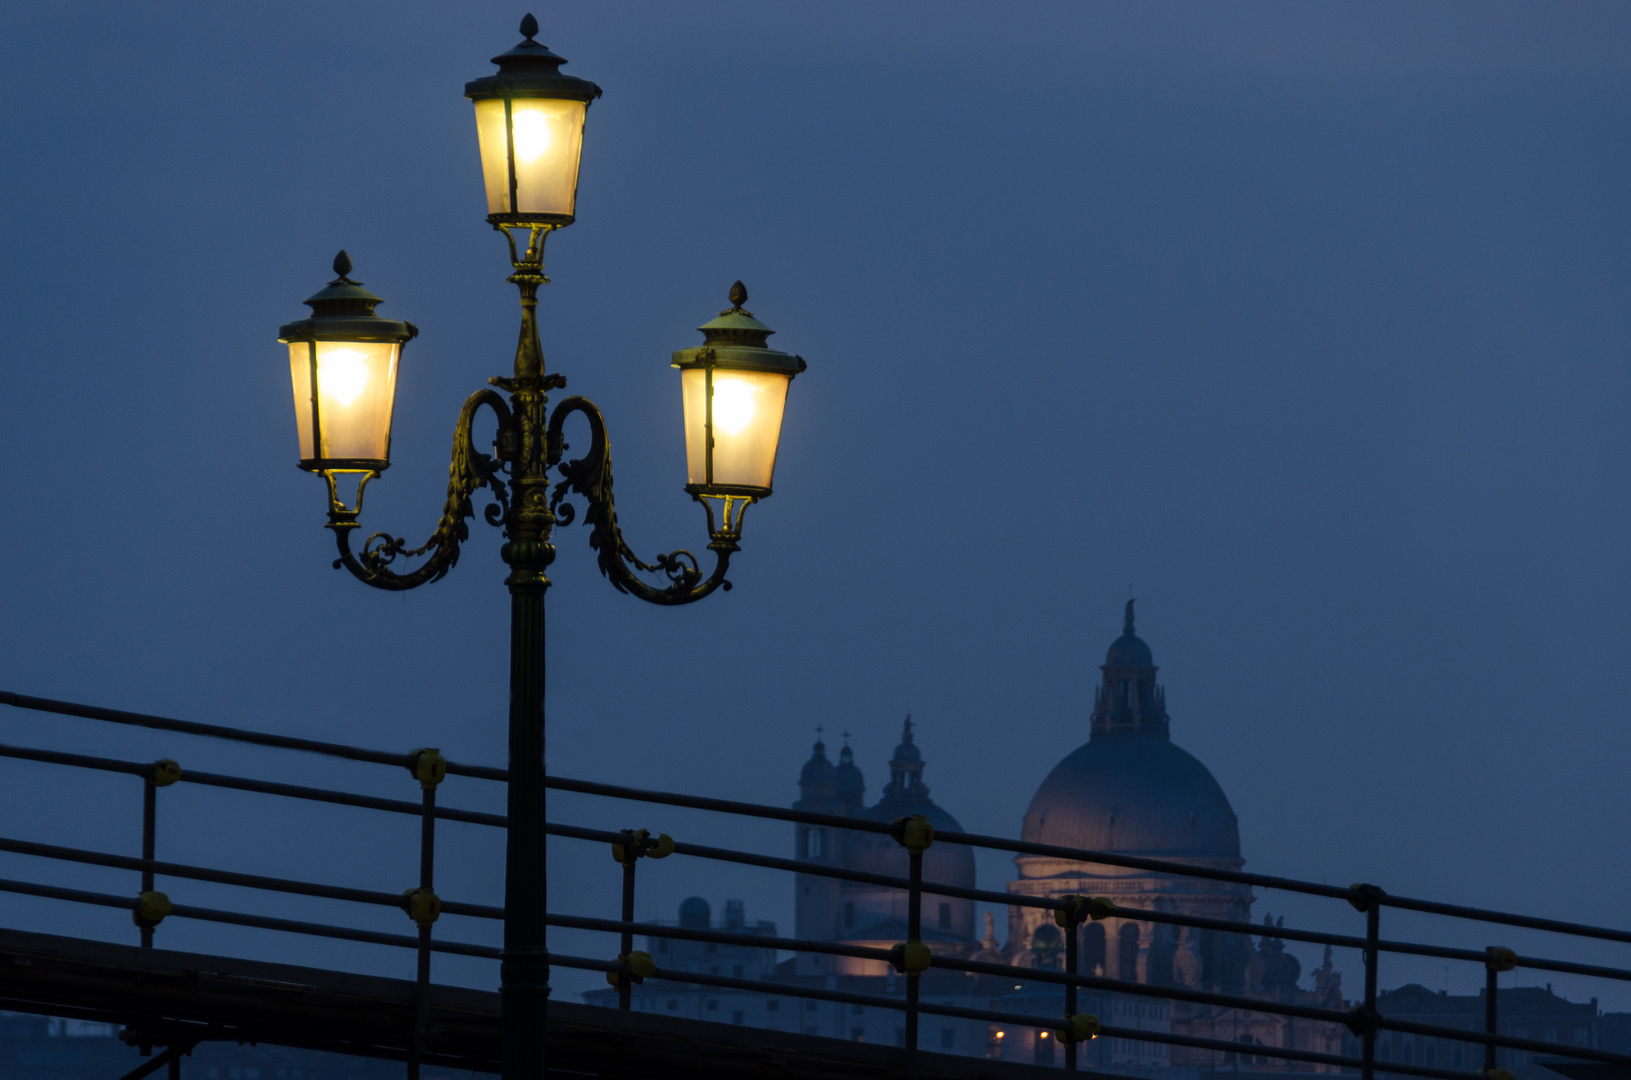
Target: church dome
1128 788
1134 793
818 780
1129 650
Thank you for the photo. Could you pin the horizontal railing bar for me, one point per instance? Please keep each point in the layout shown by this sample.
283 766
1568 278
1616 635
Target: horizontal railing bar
199 873
266 787
1527 922
78 761
126 903
721 937
1134 862
292 926
724 806
366 802
772 862
1408 948
216 731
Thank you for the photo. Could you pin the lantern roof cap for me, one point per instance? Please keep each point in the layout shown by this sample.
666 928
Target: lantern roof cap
736 325
342 310
531 70
735 339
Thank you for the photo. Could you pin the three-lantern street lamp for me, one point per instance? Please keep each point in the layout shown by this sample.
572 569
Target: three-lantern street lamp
343 363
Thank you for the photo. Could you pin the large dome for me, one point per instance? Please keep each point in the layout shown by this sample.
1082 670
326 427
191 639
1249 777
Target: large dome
1134 793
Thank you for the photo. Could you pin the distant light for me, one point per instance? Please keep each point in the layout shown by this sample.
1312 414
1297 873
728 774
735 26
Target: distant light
1042 1035
1000 1034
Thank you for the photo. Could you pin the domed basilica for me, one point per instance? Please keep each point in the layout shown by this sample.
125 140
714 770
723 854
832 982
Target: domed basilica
1128 789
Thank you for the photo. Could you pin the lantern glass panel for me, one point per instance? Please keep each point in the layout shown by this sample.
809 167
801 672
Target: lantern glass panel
548 136
747 425
356 389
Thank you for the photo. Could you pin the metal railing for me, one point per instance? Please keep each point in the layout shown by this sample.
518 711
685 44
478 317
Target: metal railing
910 958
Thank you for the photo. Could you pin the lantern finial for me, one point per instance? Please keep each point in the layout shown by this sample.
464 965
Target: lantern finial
342 265
529 26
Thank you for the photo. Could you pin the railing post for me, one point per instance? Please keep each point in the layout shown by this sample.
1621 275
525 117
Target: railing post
1497 960
911 956
625 984
149 831
1368 898
1070 989
429 768
914 934
632 846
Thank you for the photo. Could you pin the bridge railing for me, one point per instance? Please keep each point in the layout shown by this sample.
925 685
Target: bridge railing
909 958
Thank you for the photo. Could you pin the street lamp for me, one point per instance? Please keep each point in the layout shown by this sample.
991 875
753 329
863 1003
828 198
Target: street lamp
343 363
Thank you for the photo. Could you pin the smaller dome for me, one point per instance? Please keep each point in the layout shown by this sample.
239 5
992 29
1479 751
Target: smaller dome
907 751
1129 650
818 770
695 914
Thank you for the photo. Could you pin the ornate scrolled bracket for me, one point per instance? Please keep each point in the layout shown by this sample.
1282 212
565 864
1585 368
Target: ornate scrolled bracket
591 477
470 469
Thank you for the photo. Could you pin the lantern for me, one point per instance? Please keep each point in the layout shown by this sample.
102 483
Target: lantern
343 363
733 390
529 121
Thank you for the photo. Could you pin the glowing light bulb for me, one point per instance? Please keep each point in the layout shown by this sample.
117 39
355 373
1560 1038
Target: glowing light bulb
734 405
532 135
343 375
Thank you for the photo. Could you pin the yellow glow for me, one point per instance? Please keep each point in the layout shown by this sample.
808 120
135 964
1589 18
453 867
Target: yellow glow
1000 1034
343 375
734 405
532 135
1044 1035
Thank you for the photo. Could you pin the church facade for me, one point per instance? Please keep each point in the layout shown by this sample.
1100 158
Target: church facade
1128 789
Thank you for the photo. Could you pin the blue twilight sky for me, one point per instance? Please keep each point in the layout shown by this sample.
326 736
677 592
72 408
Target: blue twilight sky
1306 322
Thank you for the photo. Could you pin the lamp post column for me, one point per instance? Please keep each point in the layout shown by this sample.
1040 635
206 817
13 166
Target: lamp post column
524 988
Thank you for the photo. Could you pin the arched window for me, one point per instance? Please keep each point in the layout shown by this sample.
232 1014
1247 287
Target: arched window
1407 1050
1127 952
815 843
1429 1052
1092 945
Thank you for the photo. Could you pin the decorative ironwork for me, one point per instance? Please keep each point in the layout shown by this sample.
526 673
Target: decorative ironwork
591 477
527 447
470 469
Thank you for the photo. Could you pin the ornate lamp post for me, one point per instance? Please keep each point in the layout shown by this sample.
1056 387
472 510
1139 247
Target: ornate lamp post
343 361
